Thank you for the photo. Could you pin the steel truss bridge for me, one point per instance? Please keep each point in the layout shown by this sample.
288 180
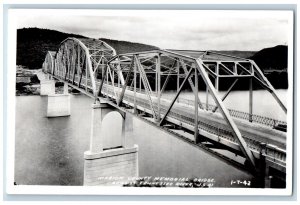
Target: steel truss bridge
137 82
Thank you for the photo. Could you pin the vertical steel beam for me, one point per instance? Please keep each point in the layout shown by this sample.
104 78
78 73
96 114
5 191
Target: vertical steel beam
166 82
156 76
52 65
158 61
55 66
235 68
134 86
250 99
72 71
102 80
196 106
118 82
74 64
70 64
86 73
78 63
112 81
102 72
140 83
113 78
217 76
206 98
62 70
126 83
107 84
119 71
178 75
81 73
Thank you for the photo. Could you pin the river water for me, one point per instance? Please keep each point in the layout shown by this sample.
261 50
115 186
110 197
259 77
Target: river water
49 151
263 102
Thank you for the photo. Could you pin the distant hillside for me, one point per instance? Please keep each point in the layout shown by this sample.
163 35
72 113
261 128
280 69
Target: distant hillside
33 44
274 58
241 54
128 47
273 62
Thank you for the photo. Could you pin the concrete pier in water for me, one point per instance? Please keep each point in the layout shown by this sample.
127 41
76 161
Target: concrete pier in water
47 87
105 159
58 105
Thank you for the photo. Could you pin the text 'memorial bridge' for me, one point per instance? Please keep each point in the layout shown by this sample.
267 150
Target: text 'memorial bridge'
137 84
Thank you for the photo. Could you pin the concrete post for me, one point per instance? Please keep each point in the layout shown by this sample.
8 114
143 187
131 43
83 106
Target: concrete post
47 87
66 90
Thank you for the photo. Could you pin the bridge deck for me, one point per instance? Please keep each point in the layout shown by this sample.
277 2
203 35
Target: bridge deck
255 132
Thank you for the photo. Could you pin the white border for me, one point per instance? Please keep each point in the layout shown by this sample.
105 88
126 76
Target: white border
82 190
116 2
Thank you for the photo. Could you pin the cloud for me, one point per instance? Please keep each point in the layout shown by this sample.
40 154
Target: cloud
203 31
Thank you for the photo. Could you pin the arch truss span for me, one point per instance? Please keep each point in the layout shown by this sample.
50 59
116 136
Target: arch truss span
81 61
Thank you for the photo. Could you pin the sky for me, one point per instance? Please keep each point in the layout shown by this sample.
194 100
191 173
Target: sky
193 30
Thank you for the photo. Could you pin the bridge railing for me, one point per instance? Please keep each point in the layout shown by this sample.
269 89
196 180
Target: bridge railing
267 121
271 122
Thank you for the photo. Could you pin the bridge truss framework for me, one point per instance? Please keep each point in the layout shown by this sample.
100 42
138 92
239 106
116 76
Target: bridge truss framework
93 67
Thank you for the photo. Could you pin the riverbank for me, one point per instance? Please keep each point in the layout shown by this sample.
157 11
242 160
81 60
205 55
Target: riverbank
27 81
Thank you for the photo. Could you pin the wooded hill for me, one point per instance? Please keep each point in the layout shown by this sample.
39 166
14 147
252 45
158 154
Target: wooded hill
33 44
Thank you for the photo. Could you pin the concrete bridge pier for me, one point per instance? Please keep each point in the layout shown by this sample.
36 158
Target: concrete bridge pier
59 105
47 87
108 163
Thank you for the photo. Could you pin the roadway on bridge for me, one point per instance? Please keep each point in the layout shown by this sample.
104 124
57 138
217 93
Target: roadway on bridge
255 132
